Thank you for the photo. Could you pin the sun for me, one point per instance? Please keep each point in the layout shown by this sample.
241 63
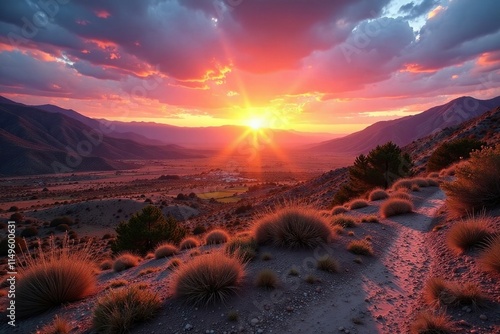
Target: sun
255 123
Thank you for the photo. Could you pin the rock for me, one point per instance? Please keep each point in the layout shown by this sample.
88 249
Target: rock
483 317
254 321
188 327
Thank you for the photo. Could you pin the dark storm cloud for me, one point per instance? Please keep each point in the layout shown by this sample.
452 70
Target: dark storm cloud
411 10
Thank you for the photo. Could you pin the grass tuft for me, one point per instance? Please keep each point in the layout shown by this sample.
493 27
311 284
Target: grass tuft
357 204
174 263
469 233
208 279
378 194
119 310
429 323
338 210
360 247
401 195
344 221
165 250
490 258
216 237
327 263
267 279
54 276
125 261
189 243
440 292
394 207
58 326
293 227
243 247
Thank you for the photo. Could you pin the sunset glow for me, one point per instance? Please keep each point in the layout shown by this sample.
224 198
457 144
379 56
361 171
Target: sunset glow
330 66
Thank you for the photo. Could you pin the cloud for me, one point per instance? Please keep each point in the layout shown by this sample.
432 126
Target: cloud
412 11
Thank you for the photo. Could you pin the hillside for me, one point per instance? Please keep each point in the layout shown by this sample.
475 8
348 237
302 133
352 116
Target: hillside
37 142
485 127
404 130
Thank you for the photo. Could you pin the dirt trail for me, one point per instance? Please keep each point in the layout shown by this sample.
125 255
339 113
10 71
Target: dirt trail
382 297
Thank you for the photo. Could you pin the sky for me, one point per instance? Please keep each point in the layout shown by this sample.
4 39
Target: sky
309 65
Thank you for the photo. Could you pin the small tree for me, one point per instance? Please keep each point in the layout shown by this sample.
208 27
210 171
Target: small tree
145 230
379 168
450 152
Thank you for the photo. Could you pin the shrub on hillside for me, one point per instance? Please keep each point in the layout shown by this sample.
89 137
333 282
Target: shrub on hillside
17 217
145 230
58 326
165 250
216 236
440 292
450 152
208 279
266 278
490 258
429 323
29 232
118 310
360 247
401 195
53 277
61 220
344 221
357 204
243 247
125 261
327 263
338 210
378 194
293 227
394 207
189 243
477 183
469 233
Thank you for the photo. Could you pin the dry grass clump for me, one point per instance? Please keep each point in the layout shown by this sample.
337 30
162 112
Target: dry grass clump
440 292
54 276
208 279
338 210
125 261
189 243
337 230
490 258
403 183
433 175
469 233
433 182
401 195
395 206
344 221
327 263
360 247
476 184
370 219
106 264
421 182
119 310
217 236
267 279
165 250
174 263
357 204
243 247
429 323
293 227
58 326
117 283
378 194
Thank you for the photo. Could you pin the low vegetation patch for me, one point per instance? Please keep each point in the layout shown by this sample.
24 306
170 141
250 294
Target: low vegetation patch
360 247
293 227
267 279
490 258
243 247
395 206
54 276
327 263
208 279
58 326
125 261
430 323
217 236
189 243
106 264
357 204
440 292
174 263
378 194
401 195
344 221
165 250
476 184
119 310
338 210
469 233
370 219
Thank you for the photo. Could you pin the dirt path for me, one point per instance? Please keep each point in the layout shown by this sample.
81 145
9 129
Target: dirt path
383 296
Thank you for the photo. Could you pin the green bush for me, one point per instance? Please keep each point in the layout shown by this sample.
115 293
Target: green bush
145 230
448 153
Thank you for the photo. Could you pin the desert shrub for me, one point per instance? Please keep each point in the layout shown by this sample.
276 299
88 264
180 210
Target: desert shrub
17 217
119 310
360 247
266 278
199 229
370 219
490 258
433 175
61 220
233 316
174 263
106 264
243 247
118 283
344 221
357 204
429 323
145 230
378 194
125 261
394 207
217 236
401 195
477 183
327 263
338 210
337 230
54 276
378 168
189 243
58 326
29 232
469 233
451 152
13 208
292 227
440 292
165 250
403 183
432 182
421 182
208 279
266 257
62 227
